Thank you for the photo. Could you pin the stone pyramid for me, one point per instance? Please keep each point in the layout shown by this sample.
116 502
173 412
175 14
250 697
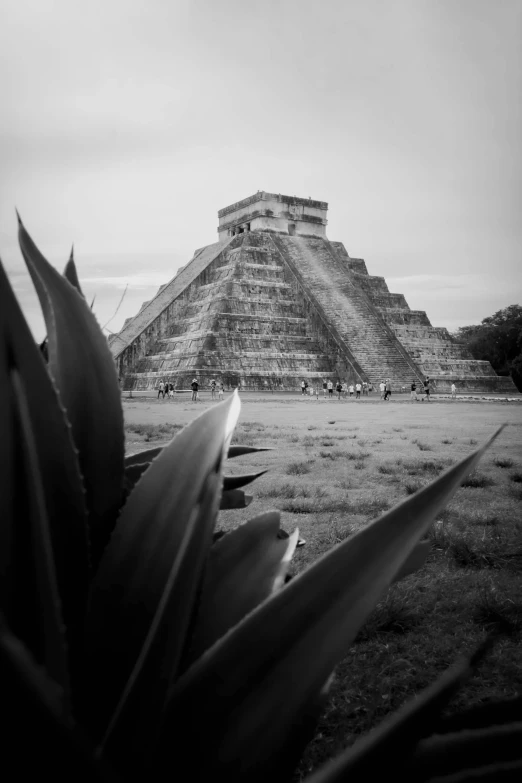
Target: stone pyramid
275 302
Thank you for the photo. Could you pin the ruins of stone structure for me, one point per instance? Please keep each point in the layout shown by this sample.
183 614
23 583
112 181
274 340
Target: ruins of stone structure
274 302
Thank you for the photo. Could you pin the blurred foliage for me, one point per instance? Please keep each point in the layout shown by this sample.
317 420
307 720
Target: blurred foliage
498 340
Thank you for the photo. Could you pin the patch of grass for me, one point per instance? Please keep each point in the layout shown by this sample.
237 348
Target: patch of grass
473 442
498 615
297 468
312 427
418 467
503 462
387 469
477 480
327 443
392 616
412 487
369 505
361 443
422 446
154 431
446 441
516 477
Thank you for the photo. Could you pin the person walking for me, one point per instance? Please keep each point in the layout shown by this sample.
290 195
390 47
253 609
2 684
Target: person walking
171 391
357 391
161 390
387 389
426 385
194 386
453 392
365 389
413 393
382 388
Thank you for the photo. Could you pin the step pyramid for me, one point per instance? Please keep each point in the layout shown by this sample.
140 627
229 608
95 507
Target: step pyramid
275 302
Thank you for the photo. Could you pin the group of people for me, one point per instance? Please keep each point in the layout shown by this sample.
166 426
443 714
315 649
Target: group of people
166 389
425 390
339 388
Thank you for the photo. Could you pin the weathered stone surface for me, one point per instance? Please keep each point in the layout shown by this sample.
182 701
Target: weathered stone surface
266 309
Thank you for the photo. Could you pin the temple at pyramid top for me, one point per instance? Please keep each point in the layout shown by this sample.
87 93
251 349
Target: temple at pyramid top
273 212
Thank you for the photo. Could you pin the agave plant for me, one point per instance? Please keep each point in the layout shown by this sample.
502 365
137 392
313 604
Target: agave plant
135 646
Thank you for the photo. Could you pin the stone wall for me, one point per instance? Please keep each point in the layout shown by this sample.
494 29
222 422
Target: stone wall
268 310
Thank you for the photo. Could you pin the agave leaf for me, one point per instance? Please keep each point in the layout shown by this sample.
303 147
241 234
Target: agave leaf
390 743
34 611
135 721
234 498
414 561
153 564
71 274
467 752
239 451
7 450
244 568
150 454
36 730
234 482
134 472
58 465
271 665
143 456
83 369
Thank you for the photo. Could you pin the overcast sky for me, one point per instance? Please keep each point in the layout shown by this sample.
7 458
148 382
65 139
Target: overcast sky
126 125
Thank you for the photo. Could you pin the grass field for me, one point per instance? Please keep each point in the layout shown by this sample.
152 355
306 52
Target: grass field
336 466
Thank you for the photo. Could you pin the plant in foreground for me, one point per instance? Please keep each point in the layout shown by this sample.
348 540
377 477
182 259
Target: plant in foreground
132 645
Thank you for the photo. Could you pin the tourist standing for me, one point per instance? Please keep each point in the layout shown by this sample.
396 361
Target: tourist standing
194 386
357 391
221 389
161 390
426 385
351 389
171 391
325 388
303 387
413 394
213 389
330 389
382 388
365 389
338 389
453 392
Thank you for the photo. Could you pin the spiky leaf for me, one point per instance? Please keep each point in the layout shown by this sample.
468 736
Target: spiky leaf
58 465
152 566
83 369
243 569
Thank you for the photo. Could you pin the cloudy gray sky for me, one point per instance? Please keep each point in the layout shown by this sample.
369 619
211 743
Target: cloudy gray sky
126 125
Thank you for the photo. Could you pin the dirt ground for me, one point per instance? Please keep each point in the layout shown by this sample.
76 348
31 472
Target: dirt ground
474 419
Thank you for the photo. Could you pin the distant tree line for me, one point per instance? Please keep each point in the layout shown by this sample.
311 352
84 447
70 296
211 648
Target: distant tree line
498 339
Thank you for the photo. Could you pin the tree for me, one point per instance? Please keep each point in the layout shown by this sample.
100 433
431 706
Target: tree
498 339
